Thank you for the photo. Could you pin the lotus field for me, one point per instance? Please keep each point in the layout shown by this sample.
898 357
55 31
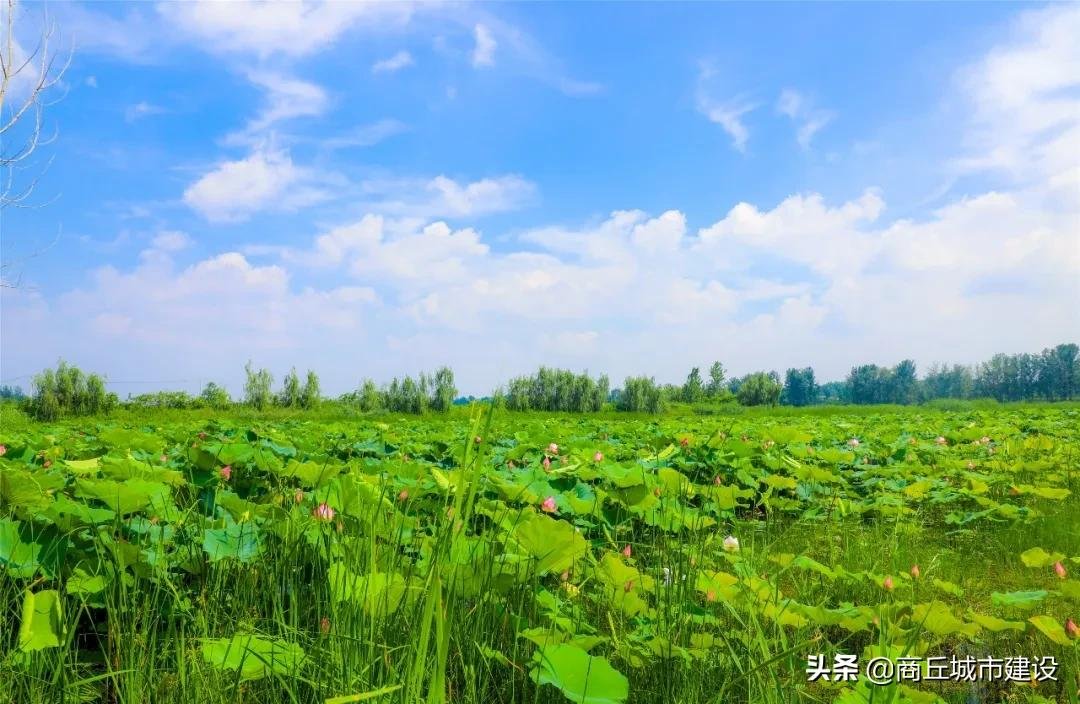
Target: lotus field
515 557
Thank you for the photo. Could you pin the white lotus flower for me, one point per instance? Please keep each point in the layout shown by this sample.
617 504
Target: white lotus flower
731 544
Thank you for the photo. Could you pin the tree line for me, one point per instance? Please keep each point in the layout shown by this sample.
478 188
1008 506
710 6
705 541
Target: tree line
1051 375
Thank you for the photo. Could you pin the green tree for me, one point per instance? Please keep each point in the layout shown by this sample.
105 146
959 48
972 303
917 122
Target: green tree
716 380
693 390
257 387
443 390
800 388
289 396
214 396
640 395
904 386
760 389
67 391
310 394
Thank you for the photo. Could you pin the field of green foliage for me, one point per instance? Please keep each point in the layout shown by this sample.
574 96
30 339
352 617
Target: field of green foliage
513 557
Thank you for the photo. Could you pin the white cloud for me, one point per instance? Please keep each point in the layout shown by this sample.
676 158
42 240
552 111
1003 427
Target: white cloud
809 119
171 241
805 280
286 98
729 117
365 135
1025 97
484 52
286 28
264 180
445 197
91 82
393 64
140 110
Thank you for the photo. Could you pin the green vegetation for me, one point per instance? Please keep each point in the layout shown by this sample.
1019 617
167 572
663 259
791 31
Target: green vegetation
493 556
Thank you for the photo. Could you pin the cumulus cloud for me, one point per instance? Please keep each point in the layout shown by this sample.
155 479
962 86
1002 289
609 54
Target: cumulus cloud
802 280
264 180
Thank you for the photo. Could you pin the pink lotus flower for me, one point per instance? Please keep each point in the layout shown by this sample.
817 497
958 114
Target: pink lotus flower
403 495
546 463
627 551
915 571
854 442
548 506
48 463
225 472
1072 629
717 481
599 456
888 584
1059 569
553 449
323 512
710 595
3 450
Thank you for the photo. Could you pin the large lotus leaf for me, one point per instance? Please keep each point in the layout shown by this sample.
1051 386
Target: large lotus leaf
786 435
995 624
25 489
582 678
310 474
123 439
1037 557
253 656
832 455
937 618
126 468
18 557
42 624
555 544
124 497
1021 600
237 540
378 593
717 586
1051 628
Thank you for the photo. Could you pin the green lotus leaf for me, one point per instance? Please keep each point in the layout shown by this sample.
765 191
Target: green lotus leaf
1037 557
582 678
253 657
1051 628
42 624
378 593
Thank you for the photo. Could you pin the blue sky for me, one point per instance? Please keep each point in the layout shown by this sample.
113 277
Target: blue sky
372 190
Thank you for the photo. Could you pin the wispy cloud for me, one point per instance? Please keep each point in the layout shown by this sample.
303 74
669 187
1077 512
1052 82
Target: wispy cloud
726 113
484 51
393 64
809 120
286 98
142 109
365 135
